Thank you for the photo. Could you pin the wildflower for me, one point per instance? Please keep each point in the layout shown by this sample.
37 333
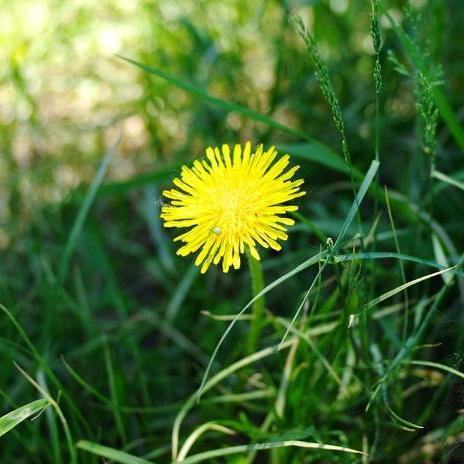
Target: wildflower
232 202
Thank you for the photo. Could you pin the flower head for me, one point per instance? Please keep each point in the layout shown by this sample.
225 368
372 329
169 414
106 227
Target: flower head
232 202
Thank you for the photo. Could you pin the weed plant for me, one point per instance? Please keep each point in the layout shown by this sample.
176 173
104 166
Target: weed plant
107 335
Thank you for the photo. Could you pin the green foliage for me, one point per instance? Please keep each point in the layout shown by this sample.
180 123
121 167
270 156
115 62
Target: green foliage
427 111
377 42
358 348
322 75
14 418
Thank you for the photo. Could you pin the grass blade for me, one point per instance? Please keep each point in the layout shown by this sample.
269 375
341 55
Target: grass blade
14 418
442 367
390 255
114 392
368 178
52 422
396 290
224 104
82 214
447 179
449 117
319 153
110 453
197 433
59 413
207 455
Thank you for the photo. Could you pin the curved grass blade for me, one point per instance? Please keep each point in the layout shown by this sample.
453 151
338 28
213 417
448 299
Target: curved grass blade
224 104
396 290
195 435
447 179
14 418
391 255
442 367
110 453
59 413
449 117
86 385
83 212
319 153
208 455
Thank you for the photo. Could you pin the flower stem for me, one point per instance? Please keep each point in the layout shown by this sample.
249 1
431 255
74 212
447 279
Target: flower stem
257 284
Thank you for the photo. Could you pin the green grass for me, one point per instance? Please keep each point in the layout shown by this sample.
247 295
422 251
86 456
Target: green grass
114 349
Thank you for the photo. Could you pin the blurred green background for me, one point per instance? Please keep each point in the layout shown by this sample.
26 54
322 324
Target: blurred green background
99 310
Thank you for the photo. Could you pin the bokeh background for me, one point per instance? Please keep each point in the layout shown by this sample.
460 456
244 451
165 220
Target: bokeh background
106 306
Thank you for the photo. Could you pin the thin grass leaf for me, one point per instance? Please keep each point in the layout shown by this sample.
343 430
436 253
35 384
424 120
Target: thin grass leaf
368 178
416 336
306 337
281 397
391 255
208 455
440 366
150 209
449 116
86 385
174 334
110 453
52 422
83 213
193 437
447 179
114 392
441 258
403 273
318 153
224 104
59 413
396 290
406 424
14 418
181 292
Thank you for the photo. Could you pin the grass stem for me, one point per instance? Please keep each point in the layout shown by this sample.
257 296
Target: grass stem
257 285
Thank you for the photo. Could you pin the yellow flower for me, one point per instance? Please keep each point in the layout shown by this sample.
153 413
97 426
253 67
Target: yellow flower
230 203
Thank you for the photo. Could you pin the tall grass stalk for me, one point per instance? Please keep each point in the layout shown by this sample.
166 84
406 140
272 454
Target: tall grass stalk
377 42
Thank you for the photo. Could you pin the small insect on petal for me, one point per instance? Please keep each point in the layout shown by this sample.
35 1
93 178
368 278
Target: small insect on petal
216 230
163 201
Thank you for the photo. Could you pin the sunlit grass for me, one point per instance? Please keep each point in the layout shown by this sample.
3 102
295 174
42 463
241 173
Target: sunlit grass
119 350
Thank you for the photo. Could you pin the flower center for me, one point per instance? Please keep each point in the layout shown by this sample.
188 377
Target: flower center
235 210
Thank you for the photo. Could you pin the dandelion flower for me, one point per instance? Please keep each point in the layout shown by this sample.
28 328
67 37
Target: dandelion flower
231 202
